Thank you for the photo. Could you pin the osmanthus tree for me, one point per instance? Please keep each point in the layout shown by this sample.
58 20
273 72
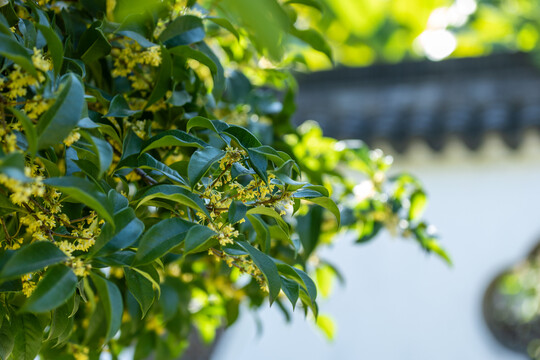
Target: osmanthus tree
150 181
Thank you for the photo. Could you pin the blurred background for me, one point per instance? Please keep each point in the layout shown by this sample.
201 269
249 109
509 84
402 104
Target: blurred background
450 90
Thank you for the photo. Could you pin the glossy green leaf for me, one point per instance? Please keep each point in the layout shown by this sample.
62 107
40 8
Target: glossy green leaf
173 193
120 108
224 23
201 161
202 122
62 117
7 339
55 47
111 301
29 130
31 258
172 138
146 161
311 3
259 163
261 229
93 45
314 39
184 30
191 53
199 238
267 267
15 52
54 289
291 290
127 230
160 238
242 136
84 191
141 288
237 211
326 203
28 336
262 210
103 151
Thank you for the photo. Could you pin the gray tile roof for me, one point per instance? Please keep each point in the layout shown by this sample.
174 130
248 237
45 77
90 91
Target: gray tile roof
426 100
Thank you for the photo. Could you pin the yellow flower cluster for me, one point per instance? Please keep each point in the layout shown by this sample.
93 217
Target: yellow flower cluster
138 128
36 106
73 136
19 80
232 156
226 233
43 216
128 59
28 284
242 263
79 352
22 191
8 139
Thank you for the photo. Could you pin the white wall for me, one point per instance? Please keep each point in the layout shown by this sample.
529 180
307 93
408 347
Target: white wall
400 303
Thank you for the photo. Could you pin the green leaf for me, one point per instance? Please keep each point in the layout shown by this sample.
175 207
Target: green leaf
141 288
242 136
28 336
300 277
291 290
62 117
120 108
55 47
93 44
201 161
160 238
184 30
224 23
146 161
199 238
29 130
311 3
7 340
237 211
326 203
85 192
55 288
15 52
261 229
187 51
314 39
60 320
327 325
202 122
163 83
31 258
261 210
270 154
103 151
418 204
173 193
111 301
127 230
219 76
259 163
172 138
267 267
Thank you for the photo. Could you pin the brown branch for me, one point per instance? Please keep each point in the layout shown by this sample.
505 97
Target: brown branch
145 177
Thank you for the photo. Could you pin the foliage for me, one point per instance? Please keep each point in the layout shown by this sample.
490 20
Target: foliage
146 184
